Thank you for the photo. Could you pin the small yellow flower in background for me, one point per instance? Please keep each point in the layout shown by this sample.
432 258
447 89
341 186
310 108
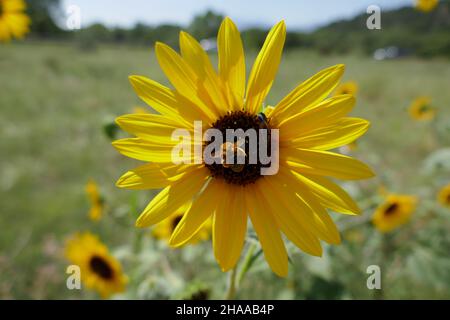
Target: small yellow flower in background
350 87
426 5
165 229
444 196
99 270
139 109
96 200
394 212
14 23
294 201
421 109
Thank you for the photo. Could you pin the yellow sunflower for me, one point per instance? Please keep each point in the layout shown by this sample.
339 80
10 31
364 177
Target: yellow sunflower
164 229
293 201
426 5
394 212
421 109
350 87
14 23
99 270
444 196
96 200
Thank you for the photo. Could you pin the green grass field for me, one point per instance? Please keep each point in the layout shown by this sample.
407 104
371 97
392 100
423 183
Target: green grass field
54 101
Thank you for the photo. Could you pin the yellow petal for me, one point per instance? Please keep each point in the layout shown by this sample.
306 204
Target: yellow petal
229 227
139 149
286 215
163 100
13 6
309 208
202 208
173 197
180 74
265 68
326 113
340 133
325 163
149 127
208 80
268 234
147 176
330 194
231 59
309 93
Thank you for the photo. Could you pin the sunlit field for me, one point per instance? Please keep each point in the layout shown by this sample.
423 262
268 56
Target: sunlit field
55 102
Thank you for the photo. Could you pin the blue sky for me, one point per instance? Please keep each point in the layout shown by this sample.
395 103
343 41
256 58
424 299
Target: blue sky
298 14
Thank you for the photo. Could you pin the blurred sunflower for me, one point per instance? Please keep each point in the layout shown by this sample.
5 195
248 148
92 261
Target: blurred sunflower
444 196
295 200
426 5
14 23
165 229
421 109
350 87
394 212
96 200
99 270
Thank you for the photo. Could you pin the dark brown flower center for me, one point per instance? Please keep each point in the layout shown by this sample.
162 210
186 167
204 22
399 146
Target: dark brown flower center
424 108
448 199
391 209
101 267
249 172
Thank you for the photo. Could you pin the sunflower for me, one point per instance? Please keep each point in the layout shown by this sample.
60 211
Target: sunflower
293 201
96 200
14 23
421 109
99 270
426 5
350 87
444 196
164 229
394 212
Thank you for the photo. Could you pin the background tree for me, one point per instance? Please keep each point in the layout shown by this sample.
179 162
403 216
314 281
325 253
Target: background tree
206 25
42 13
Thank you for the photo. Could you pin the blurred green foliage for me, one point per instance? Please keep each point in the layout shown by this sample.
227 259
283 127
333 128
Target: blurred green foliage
412 31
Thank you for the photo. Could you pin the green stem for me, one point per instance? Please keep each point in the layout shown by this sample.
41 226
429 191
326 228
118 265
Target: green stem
233 281
247 263
231 292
